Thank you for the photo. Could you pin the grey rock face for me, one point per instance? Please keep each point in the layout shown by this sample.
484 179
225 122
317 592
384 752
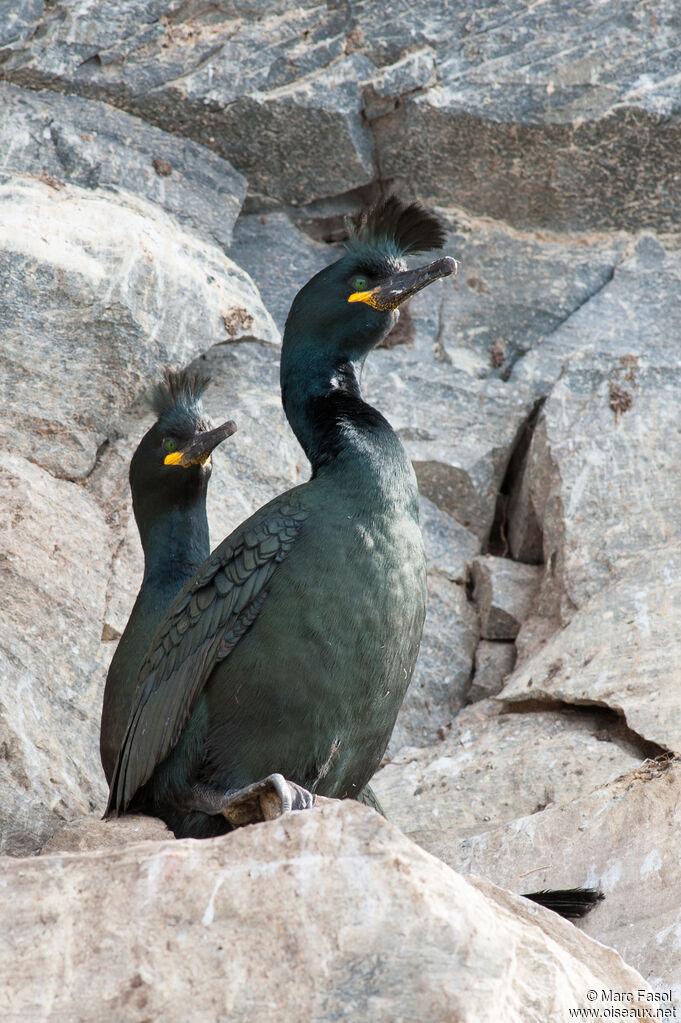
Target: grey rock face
504 592
241 84
493 767
446 943
493 663
623 838
93 311
532 103
620 650
53 578
278 257
510 110
67 139
603 463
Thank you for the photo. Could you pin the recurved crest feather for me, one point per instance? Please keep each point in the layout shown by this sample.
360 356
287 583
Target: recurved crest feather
397 228
178 387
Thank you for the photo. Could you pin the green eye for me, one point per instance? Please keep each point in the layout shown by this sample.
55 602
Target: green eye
169 444
359 283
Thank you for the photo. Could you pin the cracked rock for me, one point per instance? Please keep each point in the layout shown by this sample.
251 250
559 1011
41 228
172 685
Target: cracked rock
93 311
601 481
254 86
447 944
492 768
66 139
621 650
54 569
493 663
504 592
542 115
622 838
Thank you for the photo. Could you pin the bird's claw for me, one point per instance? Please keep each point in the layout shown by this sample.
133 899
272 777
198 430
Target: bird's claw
284 797
266 800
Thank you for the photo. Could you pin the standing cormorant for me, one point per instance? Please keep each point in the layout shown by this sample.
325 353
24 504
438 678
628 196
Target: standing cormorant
279 670
169 475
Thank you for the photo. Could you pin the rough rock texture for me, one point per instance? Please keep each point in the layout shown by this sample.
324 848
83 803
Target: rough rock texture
493 662
621 649
53 575
509 108
88 834
493 767
277 256
93 309
624 838
504 592
63 139
605 456
170 174
397 935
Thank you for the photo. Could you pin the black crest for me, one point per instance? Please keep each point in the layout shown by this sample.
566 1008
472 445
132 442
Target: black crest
178 388
397 228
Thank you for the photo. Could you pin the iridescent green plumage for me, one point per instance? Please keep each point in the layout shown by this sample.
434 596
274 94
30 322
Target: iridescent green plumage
169 503
290 651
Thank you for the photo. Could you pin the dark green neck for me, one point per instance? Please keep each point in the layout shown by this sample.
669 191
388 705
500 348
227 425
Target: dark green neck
175 542
326 411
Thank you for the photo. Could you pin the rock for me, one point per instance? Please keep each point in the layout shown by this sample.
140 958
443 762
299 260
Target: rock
89 834
278 257
623 838
493 663
539 116
493 768
18 20
256 87
427 944
621 650
513 291
603 462
442 676
525 534
93 311
504 592
54 570
580 128
449 546
68 139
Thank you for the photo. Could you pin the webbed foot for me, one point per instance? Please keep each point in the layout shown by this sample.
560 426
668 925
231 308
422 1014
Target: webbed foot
265 800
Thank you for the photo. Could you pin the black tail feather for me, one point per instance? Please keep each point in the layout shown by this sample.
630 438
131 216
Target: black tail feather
571 903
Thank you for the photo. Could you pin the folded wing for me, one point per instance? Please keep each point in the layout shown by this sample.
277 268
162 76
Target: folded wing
203 625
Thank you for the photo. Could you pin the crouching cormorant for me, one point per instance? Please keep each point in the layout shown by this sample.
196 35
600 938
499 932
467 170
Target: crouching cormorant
169 475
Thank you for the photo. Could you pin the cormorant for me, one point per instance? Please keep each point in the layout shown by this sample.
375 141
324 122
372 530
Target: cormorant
280 668
169 475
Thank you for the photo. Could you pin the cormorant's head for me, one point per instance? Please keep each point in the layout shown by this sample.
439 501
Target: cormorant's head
350 306
172 463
